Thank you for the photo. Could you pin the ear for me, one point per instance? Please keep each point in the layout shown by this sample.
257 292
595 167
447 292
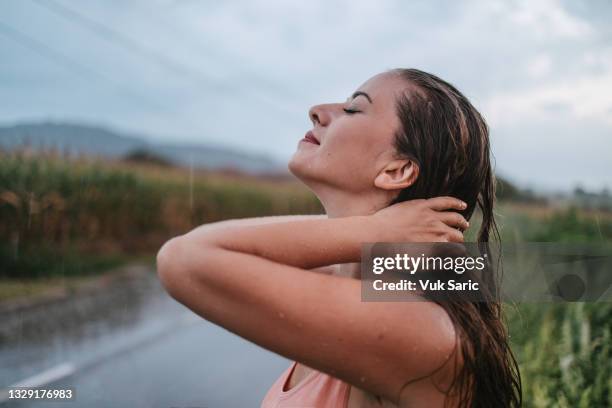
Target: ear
397 175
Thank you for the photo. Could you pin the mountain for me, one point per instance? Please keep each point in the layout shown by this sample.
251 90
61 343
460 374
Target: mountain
99 141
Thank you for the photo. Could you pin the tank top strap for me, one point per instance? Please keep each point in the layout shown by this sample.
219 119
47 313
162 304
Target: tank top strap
316 390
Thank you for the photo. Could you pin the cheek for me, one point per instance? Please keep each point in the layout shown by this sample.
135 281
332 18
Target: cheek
349 156
358 145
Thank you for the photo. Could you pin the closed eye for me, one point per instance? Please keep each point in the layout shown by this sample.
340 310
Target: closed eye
350 111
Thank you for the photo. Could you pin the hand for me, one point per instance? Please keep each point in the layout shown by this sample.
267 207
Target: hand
424 220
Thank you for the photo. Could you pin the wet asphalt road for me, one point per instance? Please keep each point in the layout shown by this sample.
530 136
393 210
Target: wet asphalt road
130 345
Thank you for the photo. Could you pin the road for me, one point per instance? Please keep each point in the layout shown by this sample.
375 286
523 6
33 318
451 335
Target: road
131 345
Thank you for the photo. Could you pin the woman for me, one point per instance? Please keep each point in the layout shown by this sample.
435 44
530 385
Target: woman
385 164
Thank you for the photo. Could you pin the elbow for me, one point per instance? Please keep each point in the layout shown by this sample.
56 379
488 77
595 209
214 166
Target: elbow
170 266
184 265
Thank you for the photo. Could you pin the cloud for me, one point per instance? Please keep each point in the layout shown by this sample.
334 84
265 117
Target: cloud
245 73
583 97
547 18
539 66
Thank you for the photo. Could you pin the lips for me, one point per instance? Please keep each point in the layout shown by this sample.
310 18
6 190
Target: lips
310 138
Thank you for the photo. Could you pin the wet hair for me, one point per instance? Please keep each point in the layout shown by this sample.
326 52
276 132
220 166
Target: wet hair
448 140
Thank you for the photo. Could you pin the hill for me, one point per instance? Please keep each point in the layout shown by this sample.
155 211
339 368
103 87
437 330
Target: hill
77 139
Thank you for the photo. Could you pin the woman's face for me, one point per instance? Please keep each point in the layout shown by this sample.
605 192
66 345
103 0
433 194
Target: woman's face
355 137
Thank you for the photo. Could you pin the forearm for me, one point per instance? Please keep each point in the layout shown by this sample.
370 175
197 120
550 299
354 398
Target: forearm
317 241
305 243
244 222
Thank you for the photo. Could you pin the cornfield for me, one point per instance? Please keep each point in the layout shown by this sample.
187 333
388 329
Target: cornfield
62 216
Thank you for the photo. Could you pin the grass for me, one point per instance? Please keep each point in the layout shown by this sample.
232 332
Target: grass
564 350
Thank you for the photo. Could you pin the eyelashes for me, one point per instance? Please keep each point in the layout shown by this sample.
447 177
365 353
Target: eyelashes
350 111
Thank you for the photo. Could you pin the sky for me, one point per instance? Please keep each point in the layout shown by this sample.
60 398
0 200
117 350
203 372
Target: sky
243 74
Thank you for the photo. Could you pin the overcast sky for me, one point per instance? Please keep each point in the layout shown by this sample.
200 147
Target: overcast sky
243 74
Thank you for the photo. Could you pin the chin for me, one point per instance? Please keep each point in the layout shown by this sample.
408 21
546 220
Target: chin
294 166
302 168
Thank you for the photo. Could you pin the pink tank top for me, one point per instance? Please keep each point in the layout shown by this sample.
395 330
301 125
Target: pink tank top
316 390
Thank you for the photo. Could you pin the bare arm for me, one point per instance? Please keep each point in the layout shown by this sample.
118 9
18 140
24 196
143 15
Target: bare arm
251 280
245 222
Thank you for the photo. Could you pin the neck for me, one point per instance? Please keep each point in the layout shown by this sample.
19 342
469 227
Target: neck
350 204
343 204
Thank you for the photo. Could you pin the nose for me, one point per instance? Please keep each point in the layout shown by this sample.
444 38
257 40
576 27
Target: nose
319 115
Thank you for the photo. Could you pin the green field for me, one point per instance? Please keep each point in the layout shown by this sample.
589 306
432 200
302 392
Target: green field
71 218
564 350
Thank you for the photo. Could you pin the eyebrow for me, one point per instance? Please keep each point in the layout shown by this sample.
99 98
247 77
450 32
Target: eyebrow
356 94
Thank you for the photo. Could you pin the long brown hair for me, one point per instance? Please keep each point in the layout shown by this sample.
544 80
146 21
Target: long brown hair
448 139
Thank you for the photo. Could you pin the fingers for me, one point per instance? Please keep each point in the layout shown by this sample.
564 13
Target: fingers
445 203
453 219
451 235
